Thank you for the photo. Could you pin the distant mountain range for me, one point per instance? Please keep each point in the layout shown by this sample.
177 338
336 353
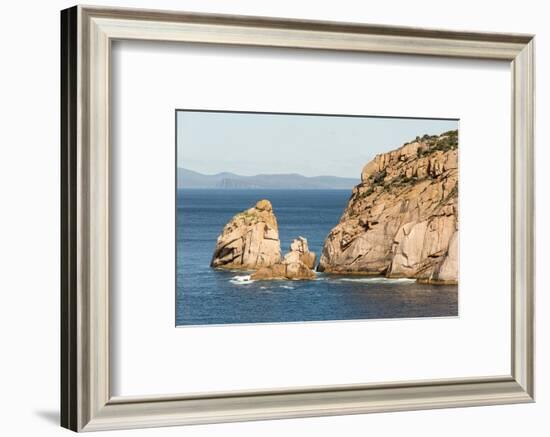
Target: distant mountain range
192 179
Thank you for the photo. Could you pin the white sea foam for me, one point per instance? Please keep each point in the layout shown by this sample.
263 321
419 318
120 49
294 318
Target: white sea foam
288 287
241 280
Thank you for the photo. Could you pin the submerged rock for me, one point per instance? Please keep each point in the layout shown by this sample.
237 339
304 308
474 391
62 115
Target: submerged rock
250 240
402 219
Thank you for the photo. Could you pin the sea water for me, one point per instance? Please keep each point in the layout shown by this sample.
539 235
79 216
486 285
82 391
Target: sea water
212 296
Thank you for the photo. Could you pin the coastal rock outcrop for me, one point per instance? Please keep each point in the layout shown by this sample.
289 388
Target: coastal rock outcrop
299 251
250 240
402 219
298 263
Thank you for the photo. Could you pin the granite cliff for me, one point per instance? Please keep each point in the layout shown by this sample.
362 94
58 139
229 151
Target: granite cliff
402 219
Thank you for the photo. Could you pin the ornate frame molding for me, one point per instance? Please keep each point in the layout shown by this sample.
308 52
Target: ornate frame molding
87 404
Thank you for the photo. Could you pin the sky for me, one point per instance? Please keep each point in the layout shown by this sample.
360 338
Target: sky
311 145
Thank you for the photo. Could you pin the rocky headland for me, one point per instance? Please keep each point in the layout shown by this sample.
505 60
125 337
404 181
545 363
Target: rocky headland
401 221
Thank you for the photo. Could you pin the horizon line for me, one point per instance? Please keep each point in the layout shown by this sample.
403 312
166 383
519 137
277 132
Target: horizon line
267 174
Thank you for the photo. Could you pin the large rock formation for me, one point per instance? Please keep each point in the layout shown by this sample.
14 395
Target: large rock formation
402 219
297 264
250 240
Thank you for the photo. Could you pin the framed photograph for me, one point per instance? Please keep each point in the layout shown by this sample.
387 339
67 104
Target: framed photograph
270 218
382 244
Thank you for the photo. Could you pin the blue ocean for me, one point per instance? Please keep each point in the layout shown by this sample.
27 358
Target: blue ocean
208 296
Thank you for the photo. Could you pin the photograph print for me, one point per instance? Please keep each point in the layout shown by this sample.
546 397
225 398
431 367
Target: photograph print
304 217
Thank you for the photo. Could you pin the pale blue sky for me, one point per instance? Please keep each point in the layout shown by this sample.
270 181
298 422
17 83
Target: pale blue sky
250 144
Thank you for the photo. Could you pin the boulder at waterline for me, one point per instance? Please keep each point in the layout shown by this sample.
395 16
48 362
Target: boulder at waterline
296 264
299 251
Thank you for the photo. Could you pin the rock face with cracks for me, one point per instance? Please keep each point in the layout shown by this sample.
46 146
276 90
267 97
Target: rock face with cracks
250 240
401 221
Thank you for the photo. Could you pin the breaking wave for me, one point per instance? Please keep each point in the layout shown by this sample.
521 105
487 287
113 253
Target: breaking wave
241 280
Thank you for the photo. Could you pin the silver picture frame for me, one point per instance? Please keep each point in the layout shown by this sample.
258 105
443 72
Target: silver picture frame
86 400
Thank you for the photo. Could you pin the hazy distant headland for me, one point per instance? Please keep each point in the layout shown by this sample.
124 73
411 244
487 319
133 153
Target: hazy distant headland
191 179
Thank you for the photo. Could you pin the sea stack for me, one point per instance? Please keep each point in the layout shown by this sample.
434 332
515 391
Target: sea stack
250 240
297 264
402 219
299 251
